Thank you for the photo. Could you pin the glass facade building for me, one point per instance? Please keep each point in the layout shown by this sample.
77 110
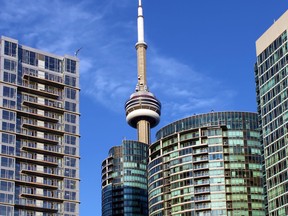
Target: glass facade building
207 165
271 75
39 132
124 180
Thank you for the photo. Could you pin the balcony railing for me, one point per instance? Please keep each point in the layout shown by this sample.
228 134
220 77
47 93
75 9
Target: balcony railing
46 127
203 206
31 181
33 135
48 79
32 112
55 195
32 204
202 190
43 148
46 92
50 105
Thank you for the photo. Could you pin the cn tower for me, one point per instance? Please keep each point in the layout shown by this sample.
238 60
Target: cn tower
143 109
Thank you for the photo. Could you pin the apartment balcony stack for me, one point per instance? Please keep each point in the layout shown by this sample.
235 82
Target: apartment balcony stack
39 131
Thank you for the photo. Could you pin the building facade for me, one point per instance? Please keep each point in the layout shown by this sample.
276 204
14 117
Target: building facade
124 180
39 132
271 75
207 165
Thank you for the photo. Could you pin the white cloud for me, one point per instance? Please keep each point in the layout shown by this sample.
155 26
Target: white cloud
108 57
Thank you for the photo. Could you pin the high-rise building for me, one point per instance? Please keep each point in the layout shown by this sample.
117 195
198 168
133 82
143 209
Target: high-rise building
39 132
124 180
271 73
124 172
207 165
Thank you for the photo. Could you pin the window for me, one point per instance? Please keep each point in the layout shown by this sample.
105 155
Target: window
70 106
6 186
9 65
6 210
8 138
70 66
70 207
70 162
70 184
70 173
70 150
7 162
52 64
28 57
9 92
8 115
7 126
7 174
70 140
10 49
9 77
70 118
70 128
70 80
8 150
70 93
9 103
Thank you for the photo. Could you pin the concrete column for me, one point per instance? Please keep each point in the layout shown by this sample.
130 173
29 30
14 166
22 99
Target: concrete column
143 129
141 62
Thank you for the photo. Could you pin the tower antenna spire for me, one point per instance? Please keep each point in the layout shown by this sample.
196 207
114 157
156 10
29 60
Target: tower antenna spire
140 23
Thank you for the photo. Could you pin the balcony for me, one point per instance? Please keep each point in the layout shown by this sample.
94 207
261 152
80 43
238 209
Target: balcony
201 174
31 182
32 113
42 197
47 80
203 206
53 106
32 135
205 198
34 206
55 175
47 127
201 159
201 183
43 149
200 145
200 151
32 158
201 166
202 190
33 89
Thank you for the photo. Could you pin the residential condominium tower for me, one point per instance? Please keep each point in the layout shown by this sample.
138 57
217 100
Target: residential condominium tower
39 132
271 75
124 180
207 165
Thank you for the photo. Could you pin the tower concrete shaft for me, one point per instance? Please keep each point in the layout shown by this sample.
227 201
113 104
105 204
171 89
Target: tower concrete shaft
141 62
143 109
143 129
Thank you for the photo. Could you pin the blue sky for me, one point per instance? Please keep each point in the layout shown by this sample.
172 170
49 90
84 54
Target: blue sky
200 58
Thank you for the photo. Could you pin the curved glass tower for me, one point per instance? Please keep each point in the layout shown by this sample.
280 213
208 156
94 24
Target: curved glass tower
207 164
124 180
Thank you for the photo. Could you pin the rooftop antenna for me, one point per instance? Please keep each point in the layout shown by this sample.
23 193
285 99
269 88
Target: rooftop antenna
77 51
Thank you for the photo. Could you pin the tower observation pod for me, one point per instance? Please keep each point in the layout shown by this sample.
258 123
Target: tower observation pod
143 109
